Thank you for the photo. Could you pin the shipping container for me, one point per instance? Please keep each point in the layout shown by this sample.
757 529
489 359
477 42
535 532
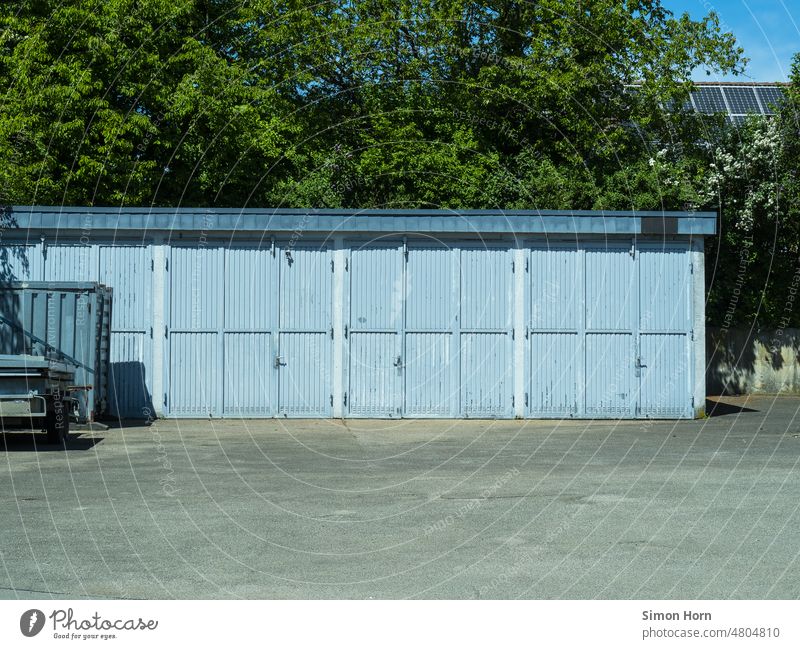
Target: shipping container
62 321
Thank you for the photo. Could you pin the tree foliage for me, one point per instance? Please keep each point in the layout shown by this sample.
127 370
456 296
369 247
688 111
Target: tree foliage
412 103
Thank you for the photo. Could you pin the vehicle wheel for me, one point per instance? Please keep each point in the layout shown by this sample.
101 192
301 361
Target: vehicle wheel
57 426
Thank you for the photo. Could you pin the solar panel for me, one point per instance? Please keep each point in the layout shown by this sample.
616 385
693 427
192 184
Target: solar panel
741 100
771 97
738 120
709 100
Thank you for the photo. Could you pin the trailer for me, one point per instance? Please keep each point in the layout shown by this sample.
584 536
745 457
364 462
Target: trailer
64 321
37 393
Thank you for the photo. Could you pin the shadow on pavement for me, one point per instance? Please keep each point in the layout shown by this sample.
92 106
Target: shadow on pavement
716 408
26 441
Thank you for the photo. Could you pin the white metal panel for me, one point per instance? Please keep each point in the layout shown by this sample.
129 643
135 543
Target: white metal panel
432 332
665 390
304 345
21 263
486 313
556 331
611 288
250 385
557 288
663 362
556 388
486 389
250 378
127 269
375 320
611 322
430 389
195 340
71 261
194 372
610 388
305 375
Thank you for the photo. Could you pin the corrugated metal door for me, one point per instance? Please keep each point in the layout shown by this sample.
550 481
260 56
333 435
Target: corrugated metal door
556 331
664 331
375 322
196 309
250 387
485 331
304 344
127 269
611 323
431 355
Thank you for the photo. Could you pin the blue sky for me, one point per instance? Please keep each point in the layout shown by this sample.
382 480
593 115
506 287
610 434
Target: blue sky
768 30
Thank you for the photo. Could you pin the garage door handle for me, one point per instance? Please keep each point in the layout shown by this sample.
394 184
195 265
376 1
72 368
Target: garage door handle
398 362
279 361
639 363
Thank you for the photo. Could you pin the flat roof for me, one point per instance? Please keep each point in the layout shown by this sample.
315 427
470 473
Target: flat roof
127 220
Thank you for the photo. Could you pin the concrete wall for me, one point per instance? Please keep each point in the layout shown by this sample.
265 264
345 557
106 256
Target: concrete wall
741 361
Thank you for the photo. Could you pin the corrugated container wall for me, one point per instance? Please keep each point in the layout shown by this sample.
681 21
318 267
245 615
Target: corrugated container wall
69 321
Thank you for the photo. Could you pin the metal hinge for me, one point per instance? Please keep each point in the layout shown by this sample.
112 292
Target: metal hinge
513 334
691 268
526 399
165 400
152 265
331 333
526 264
691 334
333 265
345 398
151 332
513 267
346 265
166 331
692 402
346 331
512 400
331 401
166 263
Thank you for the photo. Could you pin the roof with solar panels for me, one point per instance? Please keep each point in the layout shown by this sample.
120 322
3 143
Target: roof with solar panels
737 100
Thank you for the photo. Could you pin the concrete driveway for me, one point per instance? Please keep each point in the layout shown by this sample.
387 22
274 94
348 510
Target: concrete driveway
426 509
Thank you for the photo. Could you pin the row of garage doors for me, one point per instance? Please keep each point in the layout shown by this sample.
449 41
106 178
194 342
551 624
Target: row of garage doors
426 330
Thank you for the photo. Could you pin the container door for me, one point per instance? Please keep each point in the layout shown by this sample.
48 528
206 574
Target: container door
664 331
430 354
196 318
485 332
555 331
611 321
375 324
304 346
250 378
127 269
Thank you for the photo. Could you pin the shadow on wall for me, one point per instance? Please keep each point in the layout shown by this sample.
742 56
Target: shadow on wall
12 260
129 396
740 361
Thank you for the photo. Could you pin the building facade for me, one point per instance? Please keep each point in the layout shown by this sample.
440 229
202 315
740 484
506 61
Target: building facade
386 313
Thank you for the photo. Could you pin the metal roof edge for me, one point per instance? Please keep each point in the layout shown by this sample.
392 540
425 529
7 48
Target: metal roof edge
86 220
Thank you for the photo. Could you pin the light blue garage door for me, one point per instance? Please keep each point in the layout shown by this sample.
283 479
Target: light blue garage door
250 331
609 331
429 330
